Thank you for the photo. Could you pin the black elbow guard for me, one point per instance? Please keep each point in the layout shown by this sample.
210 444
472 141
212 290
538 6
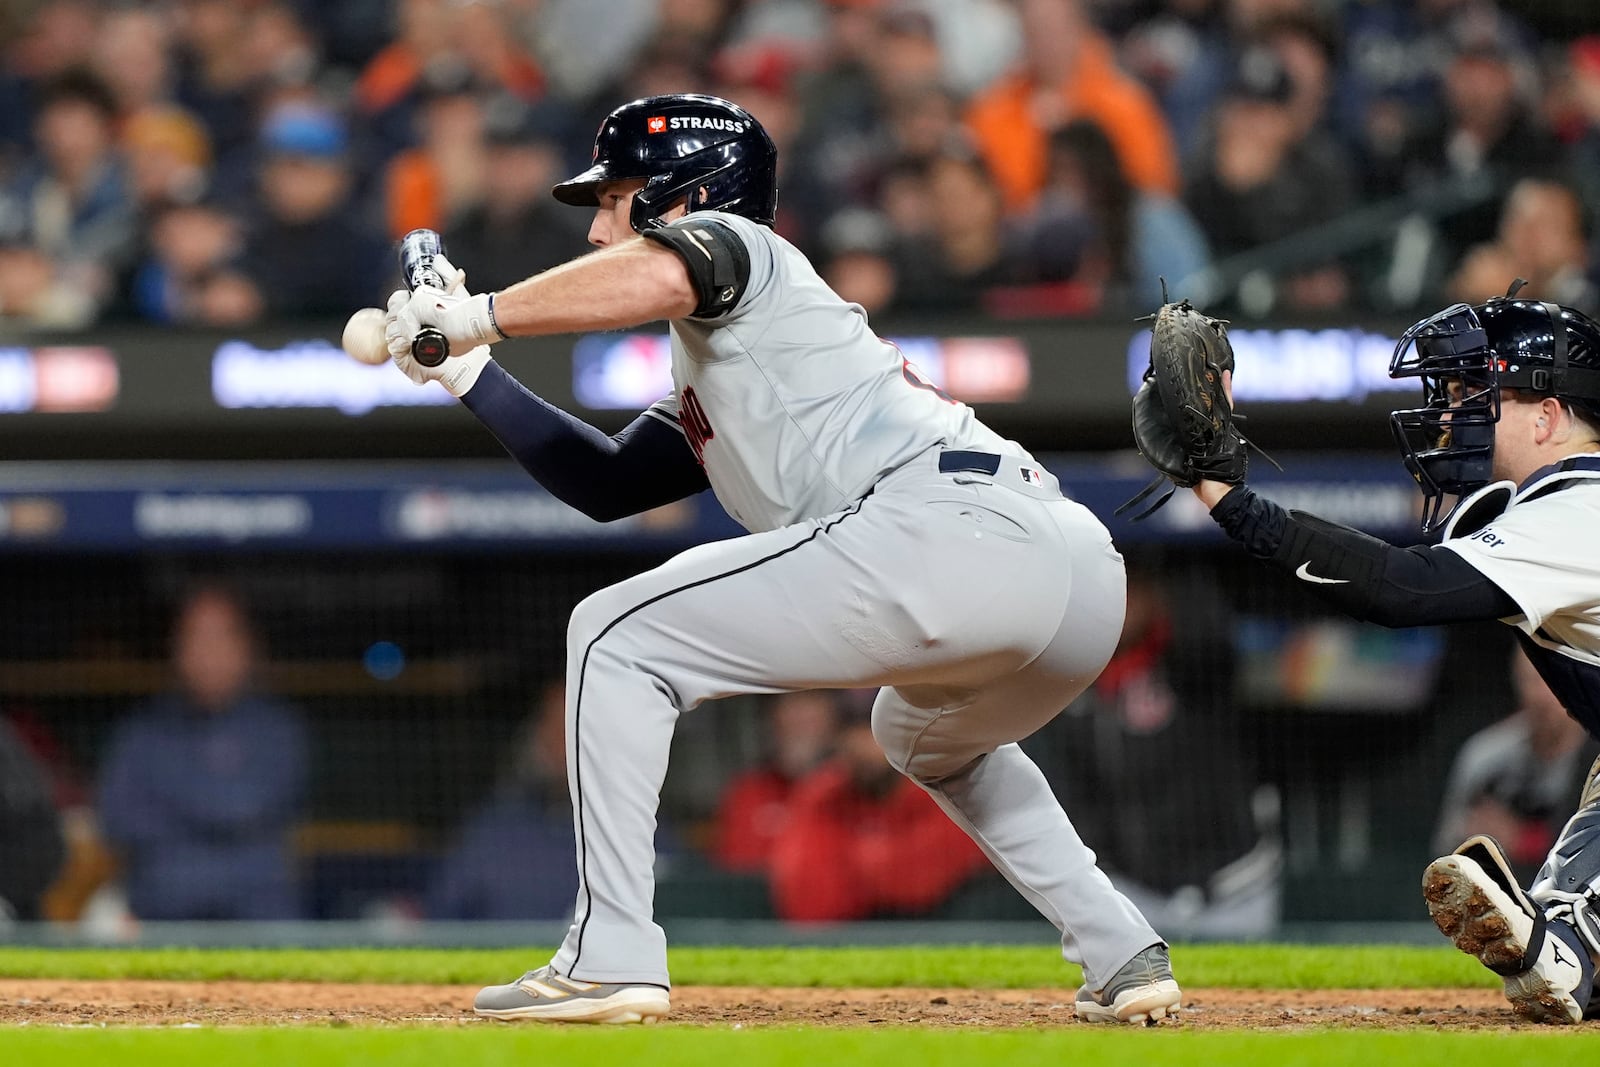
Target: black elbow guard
718 261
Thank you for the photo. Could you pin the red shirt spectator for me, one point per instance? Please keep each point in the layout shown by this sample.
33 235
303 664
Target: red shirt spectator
751 813
755 806
861 840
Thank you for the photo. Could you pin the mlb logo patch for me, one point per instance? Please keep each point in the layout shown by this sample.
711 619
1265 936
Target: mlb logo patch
1032 477
656 124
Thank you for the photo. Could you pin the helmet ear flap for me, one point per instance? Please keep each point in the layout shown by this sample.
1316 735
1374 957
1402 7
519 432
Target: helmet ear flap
660 193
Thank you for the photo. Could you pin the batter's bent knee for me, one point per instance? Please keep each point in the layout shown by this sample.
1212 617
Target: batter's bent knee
603 645
599 613
586 622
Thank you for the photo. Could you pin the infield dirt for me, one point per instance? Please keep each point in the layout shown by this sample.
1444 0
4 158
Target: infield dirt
152 1003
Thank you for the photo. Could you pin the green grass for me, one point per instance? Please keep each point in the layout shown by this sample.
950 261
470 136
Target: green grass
980 966
782 1047
473 1045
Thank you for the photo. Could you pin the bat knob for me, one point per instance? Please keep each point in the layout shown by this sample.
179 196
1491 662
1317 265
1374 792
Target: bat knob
430 347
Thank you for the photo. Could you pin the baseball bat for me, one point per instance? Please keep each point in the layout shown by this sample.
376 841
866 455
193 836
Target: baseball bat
418 249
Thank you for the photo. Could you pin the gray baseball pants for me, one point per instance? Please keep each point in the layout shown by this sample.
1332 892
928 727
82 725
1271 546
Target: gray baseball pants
981 603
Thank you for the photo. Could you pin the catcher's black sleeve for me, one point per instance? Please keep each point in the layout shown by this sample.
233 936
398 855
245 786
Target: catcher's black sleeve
1360 575
646 465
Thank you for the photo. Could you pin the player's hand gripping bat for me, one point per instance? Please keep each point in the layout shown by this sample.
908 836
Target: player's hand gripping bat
418 250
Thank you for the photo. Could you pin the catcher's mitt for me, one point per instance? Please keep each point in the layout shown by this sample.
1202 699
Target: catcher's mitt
1182 421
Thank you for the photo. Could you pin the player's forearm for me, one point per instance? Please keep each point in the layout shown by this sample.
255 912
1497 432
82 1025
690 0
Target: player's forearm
1360 575
628 284
606 478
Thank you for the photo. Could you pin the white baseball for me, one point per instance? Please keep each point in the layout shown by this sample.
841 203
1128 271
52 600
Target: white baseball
363 337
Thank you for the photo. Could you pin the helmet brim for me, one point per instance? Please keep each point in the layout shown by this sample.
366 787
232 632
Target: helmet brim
580 189
583 190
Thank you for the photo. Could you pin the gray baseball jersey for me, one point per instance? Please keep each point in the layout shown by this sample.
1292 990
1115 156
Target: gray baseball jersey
897 543
791 402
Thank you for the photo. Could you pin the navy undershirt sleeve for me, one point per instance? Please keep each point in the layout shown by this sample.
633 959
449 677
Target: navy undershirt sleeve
1360 575
646 465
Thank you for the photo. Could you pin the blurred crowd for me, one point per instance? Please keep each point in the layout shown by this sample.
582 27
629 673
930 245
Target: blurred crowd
219 162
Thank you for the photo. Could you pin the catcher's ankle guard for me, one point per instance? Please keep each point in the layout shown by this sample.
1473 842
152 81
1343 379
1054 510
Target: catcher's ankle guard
1568 886
1486 852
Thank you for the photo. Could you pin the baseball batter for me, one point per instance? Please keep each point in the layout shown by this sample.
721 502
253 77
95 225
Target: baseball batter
1511 428
895 541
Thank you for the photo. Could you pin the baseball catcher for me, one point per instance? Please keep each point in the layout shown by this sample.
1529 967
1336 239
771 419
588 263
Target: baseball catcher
1183 420
1509 432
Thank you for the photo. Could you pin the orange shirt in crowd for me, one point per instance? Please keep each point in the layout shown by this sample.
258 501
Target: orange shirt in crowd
415 194
397 70
1016 148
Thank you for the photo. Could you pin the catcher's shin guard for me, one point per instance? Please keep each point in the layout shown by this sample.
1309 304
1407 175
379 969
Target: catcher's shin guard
1568 885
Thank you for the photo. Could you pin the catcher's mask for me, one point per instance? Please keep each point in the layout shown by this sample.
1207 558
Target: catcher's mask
1465 355
707 151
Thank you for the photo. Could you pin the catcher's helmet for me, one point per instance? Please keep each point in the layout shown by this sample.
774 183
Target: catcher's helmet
687 145
1503 343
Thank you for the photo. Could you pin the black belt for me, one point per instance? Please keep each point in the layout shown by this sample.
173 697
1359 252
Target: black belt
959 460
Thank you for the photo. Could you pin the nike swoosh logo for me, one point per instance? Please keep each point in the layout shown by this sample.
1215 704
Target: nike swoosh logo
1304 574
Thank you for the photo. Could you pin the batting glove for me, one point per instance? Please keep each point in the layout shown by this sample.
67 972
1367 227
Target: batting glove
458 373
464 319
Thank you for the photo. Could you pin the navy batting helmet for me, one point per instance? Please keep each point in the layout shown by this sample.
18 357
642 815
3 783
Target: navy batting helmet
1465 355
702 148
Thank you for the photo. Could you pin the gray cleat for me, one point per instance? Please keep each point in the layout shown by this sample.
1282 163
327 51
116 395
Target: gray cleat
546 995
1143 991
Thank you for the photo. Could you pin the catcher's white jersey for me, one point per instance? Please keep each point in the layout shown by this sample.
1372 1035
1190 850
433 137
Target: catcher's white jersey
1541 552
795 409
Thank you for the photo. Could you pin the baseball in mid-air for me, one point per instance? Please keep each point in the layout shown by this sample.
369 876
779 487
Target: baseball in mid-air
363 337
